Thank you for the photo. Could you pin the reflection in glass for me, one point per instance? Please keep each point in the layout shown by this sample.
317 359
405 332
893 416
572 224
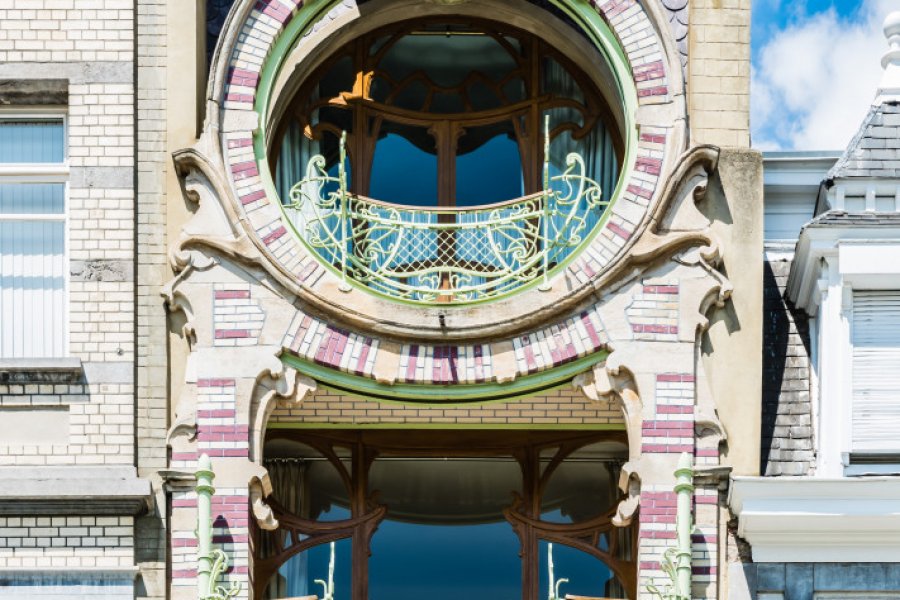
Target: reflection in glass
404 168
413 561
448 59
301 574
587 576
583 486
444 523
488 166
443 491
445 536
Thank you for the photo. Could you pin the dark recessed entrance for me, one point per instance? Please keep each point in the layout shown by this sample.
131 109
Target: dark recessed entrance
444 515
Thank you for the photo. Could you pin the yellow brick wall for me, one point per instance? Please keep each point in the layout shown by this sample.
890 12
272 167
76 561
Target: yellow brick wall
719 72
563 406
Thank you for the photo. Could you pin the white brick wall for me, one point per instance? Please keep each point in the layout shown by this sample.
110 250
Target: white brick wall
101 418
101 124
66 30
31 542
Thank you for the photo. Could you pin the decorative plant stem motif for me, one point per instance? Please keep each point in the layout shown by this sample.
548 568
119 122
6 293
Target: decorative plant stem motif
431 255
211 563
553 592
328 587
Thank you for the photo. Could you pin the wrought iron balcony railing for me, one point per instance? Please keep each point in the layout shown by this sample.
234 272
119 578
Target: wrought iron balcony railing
448 255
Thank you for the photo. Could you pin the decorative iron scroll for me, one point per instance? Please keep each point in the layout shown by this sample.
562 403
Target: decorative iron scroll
445 254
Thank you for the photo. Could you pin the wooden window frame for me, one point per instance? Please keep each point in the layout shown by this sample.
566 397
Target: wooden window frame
524 514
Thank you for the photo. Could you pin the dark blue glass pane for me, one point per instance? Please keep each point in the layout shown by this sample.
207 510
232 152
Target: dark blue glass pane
297 577
489 173
32 141
440 562
587 575
404 172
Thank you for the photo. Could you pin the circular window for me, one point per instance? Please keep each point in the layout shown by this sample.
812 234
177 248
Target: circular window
446 159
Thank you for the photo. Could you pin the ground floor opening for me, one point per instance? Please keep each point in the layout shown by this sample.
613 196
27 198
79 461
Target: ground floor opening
397 514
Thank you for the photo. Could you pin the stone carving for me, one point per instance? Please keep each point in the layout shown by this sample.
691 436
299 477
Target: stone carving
281 387
183 431
101 270
260 489
612 380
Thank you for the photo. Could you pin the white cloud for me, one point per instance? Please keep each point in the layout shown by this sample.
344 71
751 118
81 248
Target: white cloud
814 80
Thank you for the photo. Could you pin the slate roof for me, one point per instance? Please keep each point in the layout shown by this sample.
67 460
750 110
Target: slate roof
875 150
839 218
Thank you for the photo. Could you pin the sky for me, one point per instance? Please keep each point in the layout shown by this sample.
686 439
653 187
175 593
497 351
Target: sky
816 66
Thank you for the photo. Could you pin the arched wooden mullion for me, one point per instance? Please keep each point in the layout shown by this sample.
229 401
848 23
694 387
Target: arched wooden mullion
316 532
523 515
575 535
528 61
564 451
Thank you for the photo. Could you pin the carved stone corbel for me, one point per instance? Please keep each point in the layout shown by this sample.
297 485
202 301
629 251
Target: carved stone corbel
183 432
611 380
284 388
260 489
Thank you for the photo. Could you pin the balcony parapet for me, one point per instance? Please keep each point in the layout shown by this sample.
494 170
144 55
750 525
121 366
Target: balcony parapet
445 255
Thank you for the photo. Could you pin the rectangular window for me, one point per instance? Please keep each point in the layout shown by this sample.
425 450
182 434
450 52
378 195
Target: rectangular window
33 273
876 374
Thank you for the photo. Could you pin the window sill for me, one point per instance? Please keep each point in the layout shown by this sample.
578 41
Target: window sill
872 470
40 370
72 490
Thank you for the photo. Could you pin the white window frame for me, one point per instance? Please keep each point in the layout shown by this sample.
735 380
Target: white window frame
849 264
44 173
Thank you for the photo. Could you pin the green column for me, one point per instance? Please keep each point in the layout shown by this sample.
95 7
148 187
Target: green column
205 491
684 488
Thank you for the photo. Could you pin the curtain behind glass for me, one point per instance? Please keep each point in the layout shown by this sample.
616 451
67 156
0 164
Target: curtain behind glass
296 152
288 478
31 141
32 270
596 148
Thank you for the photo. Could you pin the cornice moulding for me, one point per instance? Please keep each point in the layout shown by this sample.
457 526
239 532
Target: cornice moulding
810 519
72 491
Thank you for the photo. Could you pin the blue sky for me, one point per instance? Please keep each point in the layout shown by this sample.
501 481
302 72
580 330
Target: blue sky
771 16
816 66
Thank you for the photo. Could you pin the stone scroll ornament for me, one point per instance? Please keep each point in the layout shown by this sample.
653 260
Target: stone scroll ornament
211 563
676 562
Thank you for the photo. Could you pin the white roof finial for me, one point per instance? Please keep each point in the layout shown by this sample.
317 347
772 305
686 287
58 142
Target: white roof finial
889 89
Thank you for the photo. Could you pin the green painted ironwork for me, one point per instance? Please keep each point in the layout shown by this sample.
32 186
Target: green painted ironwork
445 255
676 562
579 11
212 563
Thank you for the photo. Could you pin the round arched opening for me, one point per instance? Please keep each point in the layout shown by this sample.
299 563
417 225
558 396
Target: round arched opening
448 158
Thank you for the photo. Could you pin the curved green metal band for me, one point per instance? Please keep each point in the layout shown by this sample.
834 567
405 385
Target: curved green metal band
445 395
580 11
